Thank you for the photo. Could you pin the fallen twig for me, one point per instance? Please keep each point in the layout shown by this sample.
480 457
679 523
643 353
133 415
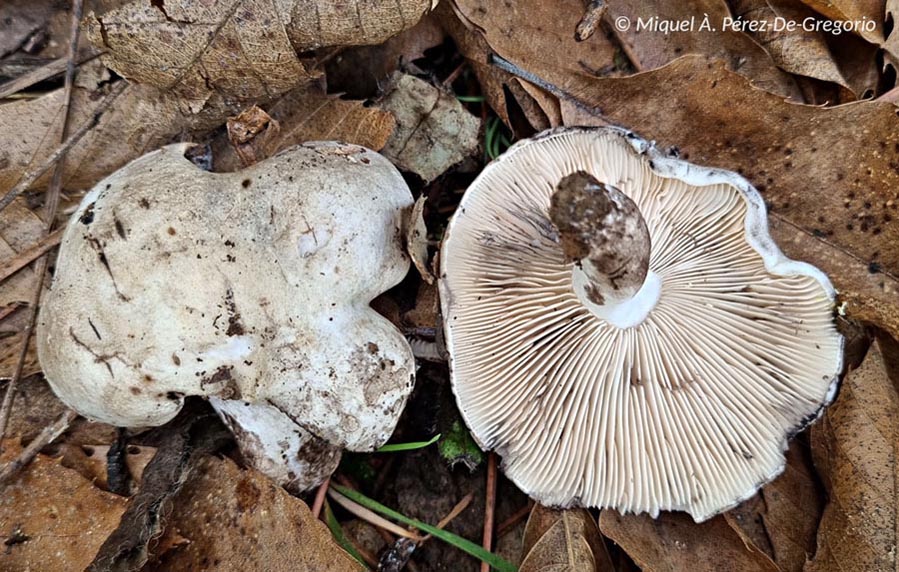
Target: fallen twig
30 177
489 507
26 257
320 498
44 438
371 517
40 74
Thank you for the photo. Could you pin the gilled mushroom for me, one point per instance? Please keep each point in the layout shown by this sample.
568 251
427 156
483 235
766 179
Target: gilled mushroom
623 330
249 288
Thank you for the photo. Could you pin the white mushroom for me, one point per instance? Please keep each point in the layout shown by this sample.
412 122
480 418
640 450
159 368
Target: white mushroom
250 286
623 330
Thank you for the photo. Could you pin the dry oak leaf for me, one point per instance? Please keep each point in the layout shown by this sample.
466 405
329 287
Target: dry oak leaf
433 130
853 11
830 174
782 519
20 229
512 99
54 520
237 520
538 34
856 450
891 45
238 49
307 113
674 543
139 121
563 541
797 51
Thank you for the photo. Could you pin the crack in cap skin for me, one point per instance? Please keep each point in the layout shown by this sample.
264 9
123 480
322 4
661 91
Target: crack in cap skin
679 397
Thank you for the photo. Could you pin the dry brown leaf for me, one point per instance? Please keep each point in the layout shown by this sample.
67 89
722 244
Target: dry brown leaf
674 543
563 541
20 228
798 51
891 45
433 130
653 49
140 120
797 156
361 72
54 520
504 93
238 520
540 35
782 519
309 114
238 49
856 450
853 10
416 235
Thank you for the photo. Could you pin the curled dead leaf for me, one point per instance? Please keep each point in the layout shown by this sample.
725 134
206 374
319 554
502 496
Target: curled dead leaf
238 49
307 113
856 450
673 542
563 541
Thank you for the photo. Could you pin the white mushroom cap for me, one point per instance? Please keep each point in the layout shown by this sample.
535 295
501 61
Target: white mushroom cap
254 285
681 397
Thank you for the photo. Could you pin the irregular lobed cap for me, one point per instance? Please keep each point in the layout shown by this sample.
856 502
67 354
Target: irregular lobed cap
251 286
683 399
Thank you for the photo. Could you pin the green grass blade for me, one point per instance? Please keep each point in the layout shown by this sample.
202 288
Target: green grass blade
471 98
393 448
462 544
340 537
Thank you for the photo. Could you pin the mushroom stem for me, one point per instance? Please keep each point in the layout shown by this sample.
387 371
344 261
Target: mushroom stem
604 234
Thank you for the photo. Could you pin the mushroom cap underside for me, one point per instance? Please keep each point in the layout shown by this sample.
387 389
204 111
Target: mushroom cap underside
688 410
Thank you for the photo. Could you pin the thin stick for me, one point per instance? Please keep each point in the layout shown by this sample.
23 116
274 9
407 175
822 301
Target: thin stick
44 438
319 501
30 177
457 510
489 508
519 515
370 517
448 82
26 257
40 74
52 205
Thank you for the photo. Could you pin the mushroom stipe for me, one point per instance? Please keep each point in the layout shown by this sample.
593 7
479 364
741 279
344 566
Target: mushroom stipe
624 332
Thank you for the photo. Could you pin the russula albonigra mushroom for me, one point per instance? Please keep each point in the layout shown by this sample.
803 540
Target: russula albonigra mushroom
249 288
624 332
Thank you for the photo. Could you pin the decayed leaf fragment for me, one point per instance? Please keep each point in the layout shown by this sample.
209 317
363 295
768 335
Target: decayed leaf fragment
54 520
237 520
238 49
856 450
673 542
563 541
307 113
434 131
